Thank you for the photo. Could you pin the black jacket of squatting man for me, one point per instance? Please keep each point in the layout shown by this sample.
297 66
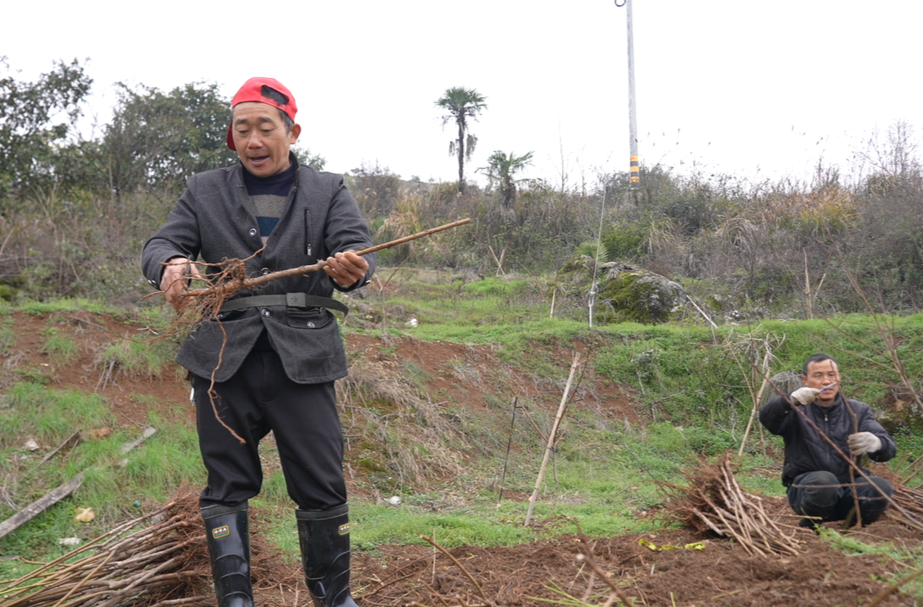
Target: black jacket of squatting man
215 220
807 451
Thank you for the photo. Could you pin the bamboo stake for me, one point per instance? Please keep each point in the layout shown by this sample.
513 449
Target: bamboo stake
509 445
756 401
554 430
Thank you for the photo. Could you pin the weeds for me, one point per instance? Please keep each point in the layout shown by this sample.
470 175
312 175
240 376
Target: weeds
60 349
7 338
50 415
133 357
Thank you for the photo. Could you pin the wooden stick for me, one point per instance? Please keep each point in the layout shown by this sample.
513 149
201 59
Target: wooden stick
148 432
40 505
602 575
75 435
756 402
459 565
551 437
249 283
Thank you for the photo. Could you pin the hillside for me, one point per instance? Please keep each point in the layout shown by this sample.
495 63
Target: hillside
422 418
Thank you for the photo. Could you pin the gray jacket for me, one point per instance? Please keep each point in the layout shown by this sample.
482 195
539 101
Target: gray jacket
214 219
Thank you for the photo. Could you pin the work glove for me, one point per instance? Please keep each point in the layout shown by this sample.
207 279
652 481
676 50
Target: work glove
804 396
863 442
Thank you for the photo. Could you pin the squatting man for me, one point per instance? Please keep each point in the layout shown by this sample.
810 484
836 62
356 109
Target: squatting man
818 480
283 350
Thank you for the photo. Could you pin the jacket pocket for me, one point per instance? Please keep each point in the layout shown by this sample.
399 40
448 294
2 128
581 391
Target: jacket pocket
313 318
228 316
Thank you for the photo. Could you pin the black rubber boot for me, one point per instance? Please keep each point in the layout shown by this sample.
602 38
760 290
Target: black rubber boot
228 537
810 523
324 539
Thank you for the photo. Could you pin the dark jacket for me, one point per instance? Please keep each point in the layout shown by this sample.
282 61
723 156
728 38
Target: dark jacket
214 219
807 451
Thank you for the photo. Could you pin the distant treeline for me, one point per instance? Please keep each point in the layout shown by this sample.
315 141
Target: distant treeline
75 211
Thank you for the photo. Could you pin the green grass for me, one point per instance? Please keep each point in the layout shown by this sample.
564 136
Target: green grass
912 556
606 474
113 482
49 415
135 356
62 305
677 369
59 348
7 337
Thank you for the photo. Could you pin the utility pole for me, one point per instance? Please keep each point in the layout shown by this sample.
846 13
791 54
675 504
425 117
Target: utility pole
632 104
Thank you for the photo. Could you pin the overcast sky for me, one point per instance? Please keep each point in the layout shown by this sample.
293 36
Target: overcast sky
732 86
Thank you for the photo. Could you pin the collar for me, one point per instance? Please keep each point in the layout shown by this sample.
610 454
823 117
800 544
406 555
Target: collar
244 175
832 409
279 178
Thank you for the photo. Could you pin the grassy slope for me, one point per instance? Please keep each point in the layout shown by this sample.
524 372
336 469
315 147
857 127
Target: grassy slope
685 380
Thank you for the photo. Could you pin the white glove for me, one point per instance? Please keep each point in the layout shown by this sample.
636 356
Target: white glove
863 442
805 396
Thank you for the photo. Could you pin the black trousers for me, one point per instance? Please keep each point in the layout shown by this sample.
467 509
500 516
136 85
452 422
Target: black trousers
816 494
303 418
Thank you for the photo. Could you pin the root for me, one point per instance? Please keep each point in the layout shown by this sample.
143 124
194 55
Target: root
713 503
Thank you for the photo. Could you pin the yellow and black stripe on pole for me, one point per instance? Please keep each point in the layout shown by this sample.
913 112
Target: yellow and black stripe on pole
632 105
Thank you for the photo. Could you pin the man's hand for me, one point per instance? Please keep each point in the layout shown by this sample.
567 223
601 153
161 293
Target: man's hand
863 442
175 274
805 396
346 269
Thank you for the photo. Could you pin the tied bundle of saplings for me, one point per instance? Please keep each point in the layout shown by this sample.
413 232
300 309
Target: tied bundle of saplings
159 559
713 503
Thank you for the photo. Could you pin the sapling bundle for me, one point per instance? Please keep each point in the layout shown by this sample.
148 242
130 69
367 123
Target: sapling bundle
157 559
160 559
713 503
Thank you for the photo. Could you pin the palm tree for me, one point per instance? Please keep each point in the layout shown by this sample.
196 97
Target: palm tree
501 168
461 104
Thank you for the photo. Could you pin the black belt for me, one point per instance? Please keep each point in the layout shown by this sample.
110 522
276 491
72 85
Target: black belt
290 300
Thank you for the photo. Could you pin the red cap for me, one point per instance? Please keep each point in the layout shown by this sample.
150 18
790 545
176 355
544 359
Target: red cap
264 90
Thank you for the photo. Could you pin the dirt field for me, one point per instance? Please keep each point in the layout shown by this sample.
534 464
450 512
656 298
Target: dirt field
548 570
536 573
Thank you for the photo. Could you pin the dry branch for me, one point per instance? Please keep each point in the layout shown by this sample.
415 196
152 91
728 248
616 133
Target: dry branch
910 499
459 565
713 503
614 590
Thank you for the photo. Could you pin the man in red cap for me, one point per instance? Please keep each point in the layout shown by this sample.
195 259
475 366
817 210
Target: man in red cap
273 355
